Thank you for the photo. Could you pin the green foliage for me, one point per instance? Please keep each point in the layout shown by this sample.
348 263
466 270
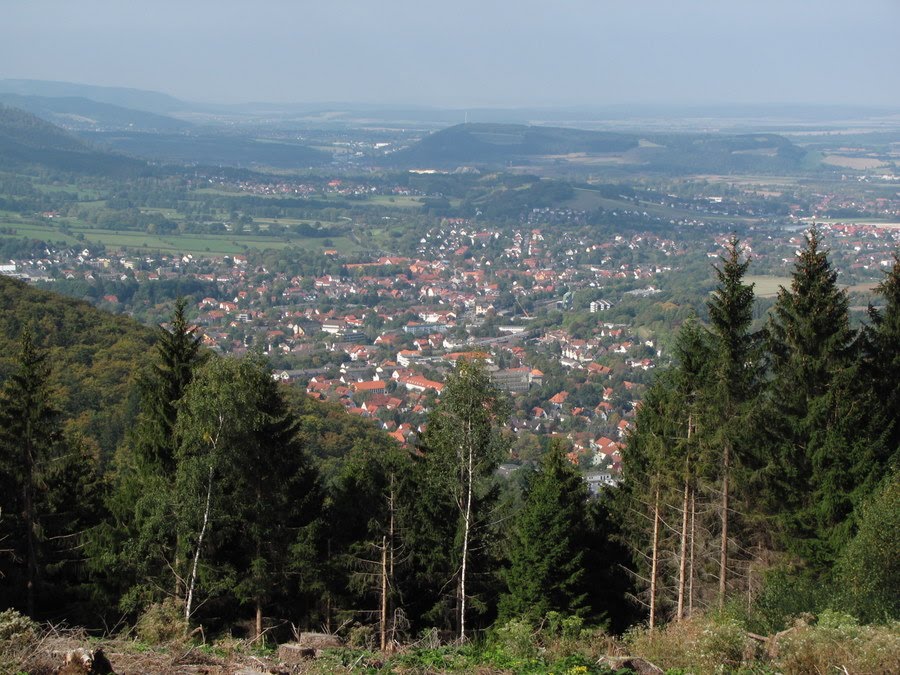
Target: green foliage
829 432
868 570
546 572
785 595
246 492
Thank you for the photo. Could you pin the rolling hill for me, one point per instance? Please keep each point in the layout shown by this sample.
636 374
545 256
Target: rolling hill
504 144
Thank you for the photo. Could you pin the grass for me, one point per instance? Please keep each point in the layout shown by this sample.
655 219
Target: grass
195 244
765 286
586 199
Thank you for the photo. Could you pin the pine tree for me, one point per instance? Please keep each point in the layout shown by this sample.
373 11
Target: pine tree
882 353
736 374
691 382
464 449
138 552
829 435
30 438
177 356
647 479
546 571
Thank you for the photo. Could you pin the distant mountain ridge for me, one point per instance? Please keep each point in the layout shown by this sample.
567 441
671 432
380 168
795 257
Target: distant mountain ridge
79 113
137 99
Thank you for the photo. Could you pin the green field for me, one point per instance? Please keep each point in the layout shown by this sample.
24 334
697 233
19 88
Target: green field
766 286
586 199
195 244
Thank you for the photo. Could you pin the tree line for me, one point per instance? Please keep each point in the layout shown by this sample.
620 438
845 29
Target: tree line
763 460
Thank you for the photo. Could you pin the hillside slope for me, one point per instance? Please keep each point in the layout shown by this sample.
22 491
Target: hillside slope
94 357
77 113
502 144
26 141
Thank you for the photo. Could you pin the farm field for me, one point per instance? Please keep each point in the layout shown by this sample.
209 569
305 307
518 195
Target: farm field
586 199
194 244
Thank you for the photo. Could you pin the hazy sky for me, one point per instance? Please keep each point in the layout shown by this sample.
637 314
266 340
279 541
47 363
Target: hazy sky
464 53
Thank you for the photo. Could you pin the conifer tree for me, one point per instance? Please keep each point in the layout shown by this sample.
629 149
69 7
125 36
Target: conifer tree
829 430
647 477
882 353
546 571
177 356
139 547
735 377
691 382
30 436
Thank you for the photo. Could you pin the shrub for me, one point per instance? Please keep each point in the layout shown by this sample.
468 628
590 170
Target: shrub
786 594
517 638
18 636
868 570
706 644
840 646
162 623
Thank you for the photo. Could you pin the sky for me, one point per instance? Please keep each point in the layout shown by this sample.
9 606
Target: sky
465 53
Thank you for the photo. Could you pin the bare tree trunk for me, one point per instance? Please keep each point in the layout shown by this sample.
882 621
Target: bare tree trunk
691 575
384 592
390 571
259 619
682 561
30 555
723 551
193 581
654 559
467 517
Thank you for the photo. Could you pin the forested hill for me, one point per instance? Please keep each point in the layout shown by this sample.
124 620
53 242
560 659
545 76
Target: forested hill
498 144
489 143
94 358
77 112
28 142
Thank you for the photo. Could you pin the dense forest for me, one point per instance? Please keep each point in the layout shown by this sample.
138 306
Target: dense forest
142 474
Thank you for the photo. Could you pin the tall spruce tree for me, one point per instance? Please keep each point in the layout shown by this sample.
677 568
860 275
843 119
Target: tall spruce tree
828 426
30 436
882 354
736 375
137 553
177 356
690 384
546 571
648 472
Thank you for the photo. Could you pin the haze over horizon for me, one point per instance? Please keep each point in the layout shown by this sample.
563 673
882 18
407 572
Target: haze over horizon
470 54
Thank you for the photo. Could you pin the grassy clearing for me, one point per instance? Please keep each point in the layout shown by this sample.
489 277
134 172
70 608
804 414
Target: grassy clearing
765 286
857 163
